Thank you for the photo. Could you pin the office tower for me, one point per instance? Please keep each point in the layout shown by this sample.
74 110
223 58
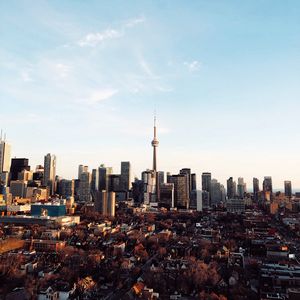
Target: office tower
81 169
17 166
25 175
154 144
138 191
268 188
241 188
166 195
288 188
255 188
149 180
66 188
125 176
160 177
105 203
181 190
95 180
104 172
50 172
114 182
215 192
206 181
205 200
18 188
193 182
38 174
231 188
84 189
187 172
196 200
5 150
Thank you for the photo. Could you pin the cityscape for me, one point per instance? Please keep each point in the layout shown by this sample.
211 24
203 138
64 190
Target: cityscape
105 236
149 150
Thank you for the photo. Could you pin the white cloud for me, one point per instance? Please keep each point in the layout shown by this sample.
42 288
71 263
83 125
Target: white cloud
93 39
26 76
133 22
193 66
62 70
101 95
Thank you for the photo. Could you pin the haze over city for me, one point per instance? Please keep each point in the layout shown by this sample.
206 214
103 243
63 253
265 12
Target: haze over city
82 80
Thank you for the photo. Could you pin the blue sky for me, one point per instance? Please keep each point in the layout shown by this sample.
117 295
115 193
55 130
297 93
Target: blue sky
81 79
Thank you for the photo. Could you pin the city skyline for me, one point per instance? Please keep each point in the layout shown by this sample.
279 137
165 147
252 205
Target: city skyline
81 81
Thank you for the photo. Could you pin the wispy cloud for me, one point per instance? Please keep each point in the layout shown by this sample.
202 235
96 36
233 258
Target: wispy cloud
62 70
25 76
93 39
193 66
101 95
134 22
146 68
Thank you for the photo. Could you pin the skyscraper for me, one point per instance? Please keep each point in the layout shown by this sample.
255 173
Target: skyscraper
187 172
125 176
255 188
231 188
84 189
267 188
104 172
181 190
241 188
50 172
5 150
17 166
215 192
206 181
288 188
193 182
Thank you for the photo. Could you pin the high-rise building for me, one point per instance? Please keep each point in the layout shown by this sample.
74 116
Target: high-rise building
187 173
104 172
66 188
81 169
125 176
206 181
149 180
181 190
268 188
241 188
50 172
193 182
160 177
288 188
196 200
95 180
18 188
84 189
231 188
17 166
255 188
114 182
105 203
166 195
215 192
5 150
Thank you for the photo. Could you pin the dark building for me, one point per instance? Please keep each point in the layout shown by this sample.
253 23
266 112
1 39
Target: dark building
231 188
114 182
181 190
255 189
125 176
138 191
17 166
267 188
288 189
166 195
193 182
206 182
187 173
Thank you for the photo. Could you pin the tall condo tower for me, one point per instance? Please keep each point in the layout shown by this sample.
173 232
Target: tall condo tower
154 145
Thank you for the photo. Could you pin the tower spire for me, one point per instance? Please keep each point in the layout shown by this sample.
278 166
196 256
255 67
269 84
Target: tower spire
154 145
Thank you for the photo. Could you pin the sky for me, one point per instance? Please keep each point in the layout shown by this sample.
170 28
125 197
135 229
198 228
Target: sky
82 79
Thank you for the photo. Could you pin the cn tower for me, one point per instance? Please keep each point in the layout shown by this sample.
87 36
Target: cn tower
154 145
